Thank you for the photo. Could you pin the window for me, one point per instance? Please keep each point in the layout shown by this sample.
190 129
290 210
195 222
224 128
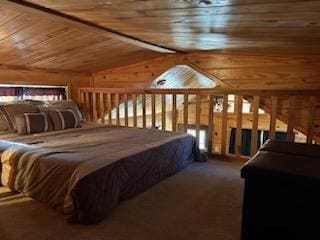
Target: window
203 138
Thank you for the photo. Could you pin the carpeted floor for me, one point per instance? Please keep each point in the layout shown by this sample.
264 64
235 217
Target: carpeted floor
199 203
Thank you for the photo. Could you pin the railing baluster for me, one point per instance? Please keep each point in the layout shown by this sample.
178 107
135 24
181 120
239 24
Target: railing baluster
255 121
163 105
273 118
134 106
153 106
88 106
94 107
117 103
144 123
126 120
224 120
174 112
239 126
312 114
185 112
109 98
198 115
291 118
210 123
102 107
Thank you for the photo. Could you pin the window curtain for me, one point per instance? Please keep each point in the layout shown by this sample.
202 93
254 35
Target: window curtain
8 94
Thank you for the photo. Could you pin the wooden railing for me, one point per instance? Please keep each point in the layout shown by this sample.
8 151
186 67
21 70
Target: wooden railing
104 106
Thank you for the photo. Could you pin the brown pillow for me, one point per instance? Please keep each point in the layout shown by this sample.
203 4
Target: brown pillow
9 112
63 105
28 123
63 119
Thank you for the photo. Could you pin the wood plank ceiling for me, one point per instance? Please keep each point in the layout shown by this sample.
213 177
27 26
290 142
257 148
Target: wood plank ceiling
30 41
273 26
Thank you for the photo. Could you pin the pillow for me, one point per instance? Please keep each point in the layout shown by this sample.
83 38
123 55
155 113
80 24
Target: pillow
63 105
63 119
28 123
9 111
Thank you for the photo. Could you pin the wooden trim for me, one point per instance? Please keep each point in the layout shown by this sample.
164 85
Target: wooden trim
239 126
210 123
54 15
273 117
198 115
185 111
255 121
312 114
224 125
291 119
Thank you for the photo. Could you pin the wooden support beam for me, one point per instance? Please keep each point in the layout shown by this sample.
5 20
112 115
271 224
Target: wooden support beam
224 125
164 112
273 118
312 114
210 123
185 112
291 119
53 15
239 101
134 107
153 109
255 121
198 115
144 123
174 112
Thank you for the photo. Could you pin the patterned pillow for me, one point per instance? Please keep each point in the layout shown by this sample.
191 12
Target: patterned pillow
63 119
29 123
63 105
9 111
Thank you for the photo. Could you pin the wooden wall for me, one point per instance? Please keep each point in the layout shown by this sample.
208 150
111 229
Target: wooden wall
41 77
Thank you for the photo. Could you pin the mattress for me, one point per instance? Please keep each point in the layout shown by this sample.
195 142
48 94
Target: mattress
86 172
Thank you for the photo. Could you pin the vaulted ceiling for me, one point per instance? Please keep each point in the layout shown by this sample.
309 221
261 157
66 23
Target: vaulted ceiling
100 34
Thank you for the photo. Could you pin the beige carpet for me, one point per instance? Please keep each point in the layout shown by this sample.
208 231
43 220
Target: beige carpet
201 202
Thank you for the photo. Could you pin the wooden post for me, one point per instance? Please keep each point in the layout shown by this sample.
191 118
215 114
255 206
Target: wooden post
273 118
153 114
126 120
224 125
291 119
94 107
174 112
102 107
198 115
82 104
117 103
210 123
144 124
109 108
185 112
312 114
134 106
255 122
239 126
87 104
163 105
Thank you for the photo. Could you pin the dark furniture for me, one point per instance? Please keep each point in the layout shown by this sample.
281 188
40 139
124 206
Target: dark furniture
282 192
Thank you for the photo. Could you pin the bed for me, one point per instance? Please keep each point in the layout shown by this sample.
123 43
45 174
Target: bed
85 172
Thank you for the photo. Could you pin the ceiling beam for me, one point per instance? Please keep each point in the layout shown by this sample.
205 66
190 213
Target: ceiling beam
54 15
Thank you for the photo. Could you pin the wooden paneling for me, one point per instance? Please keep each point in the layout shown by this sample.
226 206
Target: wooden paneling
251 26
32 41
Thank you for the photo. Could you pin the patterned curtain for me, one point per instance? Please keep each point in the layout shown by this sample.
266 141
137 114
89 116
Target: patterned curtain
8 94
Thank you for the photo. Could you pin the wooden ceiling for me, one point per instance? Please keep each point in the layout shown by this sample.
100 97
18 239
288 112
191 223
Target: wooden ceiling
114 33
285 26
32 41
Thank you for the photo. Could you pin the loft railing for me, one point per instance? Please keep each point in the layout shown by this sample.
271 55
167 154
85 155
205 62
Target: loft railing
104 105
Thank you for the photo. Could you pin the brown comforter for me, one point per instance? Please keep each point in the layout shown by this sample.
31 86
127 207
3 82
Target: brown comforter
86 172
